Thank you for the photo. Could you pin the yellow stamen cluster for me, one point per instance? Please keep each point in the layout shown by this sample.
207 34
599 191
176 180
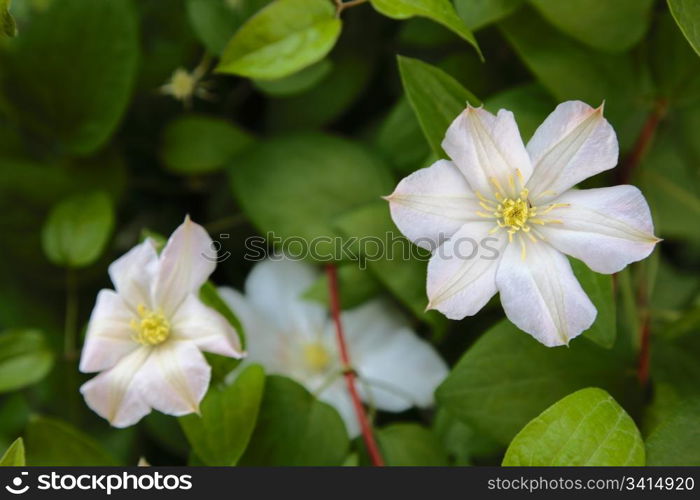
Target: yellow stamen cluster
514 211
152 328
316 356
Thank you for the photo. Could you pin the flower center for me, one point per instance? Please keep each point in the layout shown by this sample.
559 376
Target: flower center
516 212
183 84
152 328
316 356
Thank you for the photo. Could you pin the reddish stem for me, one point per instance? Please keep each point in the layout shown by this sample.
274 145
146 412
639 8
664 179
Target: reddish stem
349 374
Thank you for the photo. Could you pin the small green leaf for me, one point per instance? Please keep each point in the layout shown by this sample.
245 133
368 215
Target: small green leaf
436 98
440 11
298 82
611 26
228 415
587 428
283 38
53 443
676 440
25 358
409 444
295 429
356 286
77 230
599 288
14 456
199 144
215 21
479 13
506 378
687 15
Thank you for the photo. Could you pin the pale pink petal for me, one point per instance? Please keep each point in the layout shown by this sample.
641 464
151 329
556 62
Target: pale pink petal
462 272
133 274
574 142
607 228
486 147
109 334
208 329
431 204
113 394
174 378
541 295
185 265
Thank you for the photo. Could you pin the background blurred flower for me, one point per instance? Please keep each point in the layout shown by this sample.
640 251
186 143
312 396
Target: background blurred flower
146 338
295 337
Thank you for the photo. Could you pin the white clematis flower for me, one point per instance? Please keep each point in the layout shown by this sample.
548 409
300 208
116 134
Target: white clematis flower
296 338
521 197
147 336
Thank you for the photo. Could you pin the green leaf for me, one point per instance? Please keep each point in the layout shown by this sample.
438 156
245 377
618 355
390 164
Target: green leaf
78 229
409 444
228 415
356 286
610 26
599 288
25 358
440 11
676 440
338 175
14 456
8 28
436 98
687 15
400 139
506 378
215 21
479 13
530 104
199 144
295 429
587 428
283 38
298 82
88 52
461 441
53 443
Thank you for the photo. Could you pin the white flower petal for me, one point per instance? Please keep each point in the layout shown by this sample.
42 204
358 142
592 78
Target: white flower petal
109 334
206 328
174 378
274 288
462 272
431 204
338 397
607 228
397 368
541 295
185 264
114 395
485 146
134 272
574 142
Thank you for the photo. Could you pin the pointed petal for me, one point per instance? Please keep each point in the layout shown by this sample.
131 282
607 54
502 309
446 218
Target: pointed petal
185 264
607 228
108 337
541 295
462 272
485 146
275 287
431 204
397 369
206 328
113 394
174 378
574 142
134 272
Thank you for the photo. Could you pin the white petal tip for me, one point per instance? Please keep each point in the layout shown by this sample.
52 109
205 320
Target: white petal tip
388 197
